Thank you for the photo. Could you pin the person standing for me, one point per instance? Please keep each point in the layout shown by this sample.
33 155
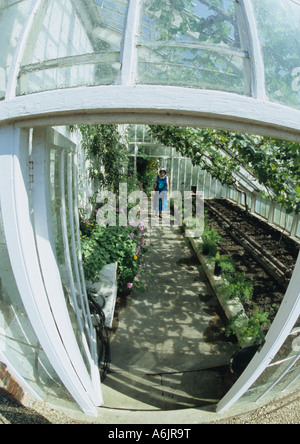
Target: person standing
161 188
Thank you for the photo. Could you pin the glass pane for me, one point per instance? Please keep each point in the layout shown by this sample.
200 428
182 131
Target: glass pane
18 341
62 245
274 373
74 44
278 25
82 302
298 228
175 182
199 68
12 18
186 43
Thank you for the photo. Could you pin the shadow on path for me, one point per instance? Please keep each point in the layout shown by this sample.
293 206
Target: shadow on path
169 349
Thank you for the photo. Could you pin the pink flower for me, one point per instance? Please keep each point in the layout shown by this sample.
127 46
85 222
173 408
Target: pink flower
133 223
131 235
130 285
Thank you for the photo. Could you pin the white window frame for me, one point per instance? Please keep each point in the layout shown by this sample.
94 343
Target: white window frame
26 266
42 140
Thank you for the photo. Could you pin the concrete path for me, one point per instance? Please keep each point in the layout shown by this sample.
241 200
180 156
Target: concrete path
169 350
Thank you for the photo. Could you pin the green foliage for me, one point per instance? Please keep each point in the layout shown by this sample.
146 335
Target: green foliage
238 287
107 153
146 172
105 245
250 330
201 146
208 248
108 157
181 21
226 265
210 239
210 234
274 163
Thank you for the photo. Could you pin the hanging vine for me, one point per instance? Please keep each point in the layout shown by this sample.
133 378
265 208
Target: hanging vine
107 152
274 163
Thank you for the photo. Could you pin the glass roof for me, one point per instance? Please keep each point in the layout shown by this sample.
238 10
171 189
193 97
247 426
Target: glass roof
221 45
197 44
279 35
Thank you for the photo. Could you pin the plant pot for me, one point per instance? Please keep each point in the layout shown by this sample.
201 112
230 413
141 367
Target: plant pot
209 249
218 269
238 363
205 250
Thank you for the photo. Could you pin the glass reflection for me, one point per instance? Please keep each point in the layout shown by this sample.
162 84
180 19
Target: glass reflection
280 41
200 44
18 341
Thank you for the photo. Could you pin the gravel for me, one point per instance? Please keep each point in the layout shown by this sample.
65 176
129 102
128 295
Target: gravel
12 412
286 411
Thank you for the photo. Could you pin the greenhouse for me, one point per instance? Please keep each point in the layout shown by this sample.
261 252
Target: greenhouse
96 98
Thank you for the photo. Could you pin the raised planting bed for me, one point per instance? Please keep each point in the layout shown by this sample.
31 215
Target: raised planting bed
268 291
231 307
263 259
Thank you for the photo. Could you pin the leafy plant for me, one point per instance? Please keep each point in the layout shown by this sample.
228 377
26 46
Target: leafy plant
210 234
208 248
108 155
146 172
225 266
210 239
250 330
239 287
104 245
274 163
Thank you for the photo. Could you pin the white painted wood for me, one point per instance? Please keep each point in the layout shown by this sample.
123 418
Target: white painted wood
20 240
283 373
281 327
153 104
48 262
257 63
93 336
20 49
129 53
95 395
81 304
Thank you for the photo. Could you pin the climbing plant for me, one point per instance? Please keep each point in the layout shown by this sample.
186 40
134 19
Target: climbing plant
107 152
274 163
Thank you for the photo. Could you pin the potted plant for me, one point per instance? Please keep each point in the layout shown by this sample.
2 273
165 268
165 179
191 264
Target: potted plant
224 266
209 248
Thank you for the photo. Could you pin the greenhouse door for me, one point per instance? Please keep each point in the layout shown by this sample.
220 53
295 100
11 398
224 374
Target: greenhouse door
40 217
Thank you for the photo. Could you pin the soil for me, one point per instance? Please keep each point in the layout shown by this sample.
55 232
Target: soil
268 292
